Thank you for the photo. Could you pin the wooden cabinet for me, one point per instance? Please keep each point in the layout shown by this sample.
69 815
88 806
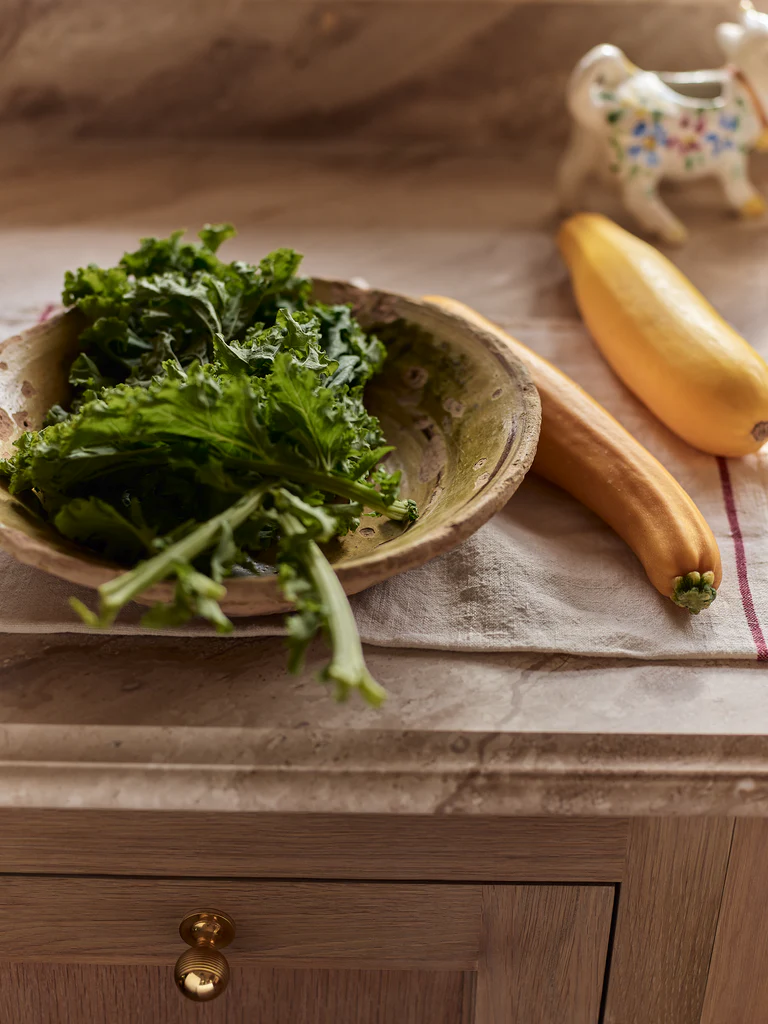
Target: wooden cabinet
101 951
377 920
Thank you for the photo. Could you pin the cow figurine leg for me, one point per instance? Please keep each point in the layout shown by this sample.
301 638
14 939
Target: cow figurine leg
641 198
739 191
581 159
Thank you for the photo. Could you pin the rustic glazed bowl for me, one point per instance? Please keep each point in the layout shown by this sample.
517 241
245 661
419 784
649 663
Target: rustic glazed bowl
458 405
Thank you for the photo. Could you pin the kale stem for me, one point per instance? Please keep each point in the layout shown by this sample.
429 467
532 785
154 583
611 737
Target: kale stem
119 591
347 667
355 490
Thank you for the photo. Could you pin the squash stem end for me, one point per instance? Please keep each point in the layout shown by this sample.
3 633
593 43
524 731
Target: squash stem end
694 591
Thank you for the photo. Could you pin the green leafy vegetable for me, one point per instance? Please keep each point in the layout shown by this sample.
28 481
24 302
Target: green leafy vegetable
217 422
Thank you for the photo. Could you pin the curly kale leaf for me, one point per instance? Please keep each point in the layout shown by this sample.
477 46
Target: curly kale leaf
359 355
172 255
97 292
118 535
182 291
297 333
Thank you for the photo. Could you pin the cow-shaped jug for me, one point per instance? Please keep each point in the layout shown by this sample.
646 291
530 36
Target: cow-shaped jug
633 127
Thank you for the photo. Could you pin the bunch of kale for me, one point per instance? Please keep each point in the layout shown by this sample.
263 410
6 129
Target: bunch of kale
217 423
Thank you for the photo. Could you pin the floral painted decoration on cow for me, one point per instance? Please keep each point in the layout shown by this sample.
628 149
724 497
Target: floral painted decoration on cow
633 127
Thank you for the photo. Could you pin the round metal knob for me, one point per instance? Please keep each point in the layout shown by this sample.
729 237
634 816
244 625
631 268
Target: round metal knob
202 972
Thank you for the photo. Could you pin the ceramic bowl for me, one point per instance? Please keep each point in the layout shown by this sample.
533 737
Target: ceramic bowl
458 405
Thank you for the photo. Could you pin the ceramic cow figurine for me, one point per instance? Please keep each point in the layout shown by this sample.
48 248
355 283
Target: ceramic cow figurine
634 128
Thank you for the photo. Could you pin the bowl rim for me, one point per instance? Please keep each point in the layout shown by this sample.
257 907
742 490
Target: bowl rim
249 596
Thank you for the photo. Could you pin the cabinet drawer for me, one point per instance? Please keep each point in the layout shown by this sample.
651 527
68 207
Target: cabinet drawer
335 952
124 920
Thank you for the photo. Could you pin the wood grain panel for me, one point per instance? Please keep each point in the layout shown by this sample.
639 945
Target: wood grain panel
737 988
320 846
98 994
542 954
320 924
668 910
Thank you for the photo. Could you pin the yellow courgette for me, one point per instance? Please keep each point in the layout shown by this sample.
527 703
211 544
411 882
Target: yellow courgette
664 340
584 450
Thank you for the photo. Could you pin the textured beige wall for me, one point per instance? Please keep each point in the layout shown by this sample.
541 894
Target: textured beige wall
455 72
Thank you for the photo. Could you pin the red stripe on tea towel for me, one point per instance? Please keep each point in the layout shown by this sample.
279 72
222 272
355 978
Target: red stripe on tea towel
741 561
46 313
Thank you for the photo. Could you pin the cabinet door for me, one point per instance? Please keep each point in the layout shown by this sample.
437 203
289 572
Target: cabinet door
46 993
737 986
101 951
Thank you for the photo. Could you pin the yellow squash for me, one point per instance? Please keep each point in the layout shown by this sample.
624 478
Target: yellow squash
664 340
584 450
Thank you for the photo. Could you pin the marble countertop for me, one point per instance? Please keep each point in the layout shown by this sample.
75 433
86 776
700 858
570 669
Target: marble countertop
205 723
210 724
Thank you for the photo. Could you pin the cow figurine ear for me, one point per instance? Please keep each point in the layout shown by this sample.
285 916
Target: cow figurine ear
752 20
729 36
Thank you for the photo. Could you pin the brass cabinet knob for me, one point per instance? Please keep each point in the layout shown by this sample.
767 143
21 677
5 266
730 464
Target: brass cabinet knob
202 972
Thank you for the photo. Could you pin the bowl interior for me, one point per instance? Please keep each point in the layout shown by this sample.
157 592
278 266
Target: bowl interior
462 416
441 403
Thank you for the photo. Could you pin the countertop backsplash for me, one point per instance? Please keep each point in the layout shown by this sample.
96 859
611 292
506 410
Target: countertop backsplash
463 74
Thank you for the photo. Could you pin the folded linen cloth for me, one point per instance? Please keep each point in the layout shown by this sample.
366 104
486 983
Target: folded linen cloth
545 574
